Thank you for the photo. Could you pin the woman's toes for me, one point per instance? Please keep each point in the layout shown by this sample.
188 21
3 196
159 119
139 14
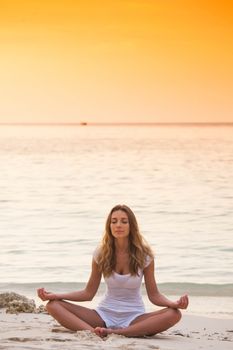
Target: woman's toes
97 331
103 332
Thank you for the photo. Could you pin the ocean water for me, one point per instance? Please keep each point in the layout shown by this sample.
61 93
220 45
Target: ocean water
58 183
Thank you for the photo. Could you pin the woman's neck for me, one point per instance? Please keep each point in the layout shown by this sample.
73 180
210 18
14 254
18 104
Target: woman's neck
122 246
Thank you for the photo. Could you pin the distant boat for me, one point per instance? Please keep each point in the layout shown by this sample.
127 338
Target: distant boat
83 123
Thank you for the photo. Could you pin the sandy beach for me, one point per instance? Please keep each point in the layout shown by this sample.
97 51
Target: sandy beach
40 331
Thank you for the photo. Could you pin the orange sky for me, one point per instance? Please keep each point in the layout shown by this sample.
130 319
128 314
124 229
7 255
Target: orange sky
116 60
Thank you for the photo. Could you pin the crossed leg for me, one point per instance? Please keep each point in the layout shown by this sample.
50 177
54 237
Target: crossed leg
147 324
74 317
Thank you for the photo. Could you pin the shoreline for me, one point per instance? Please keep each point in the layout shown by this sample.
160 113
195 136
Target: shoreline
40 331
209 305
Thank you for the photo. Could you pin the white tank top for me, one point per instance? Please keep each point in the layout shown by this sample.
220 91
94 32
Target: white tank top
123 291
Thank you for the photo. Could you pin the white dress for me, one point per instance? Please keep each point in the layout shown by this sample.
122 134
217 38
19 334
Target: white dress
122 301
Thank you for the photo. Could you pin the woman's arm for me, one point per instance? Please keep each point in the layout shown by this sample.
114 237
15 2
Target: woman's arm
84 295
155 296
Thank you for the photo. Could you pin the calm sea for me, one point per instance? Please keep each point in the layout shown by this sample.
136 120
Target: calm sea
58 183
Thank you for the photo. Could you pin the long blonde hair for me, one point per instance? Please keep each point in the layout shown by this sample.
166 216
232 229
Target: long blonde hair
139 250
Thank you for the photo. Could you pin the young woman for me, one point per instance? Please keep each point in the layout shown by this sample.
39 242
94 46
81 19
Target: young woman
123 259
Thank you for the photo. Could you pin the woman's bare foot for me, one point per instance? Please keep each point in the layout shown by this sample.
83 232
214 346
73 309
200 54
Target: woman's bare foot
103 332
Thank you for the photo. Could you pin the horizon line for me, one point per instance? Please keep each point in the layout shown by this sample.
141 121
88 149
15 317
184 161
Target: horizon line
86 123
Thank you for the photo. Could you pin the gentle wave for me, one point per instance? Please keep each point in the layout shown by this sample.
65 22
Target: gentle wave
193 289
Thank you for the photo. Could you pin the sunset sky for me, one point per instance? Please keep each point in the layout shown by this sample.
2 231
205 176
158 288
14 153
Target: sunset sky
116 61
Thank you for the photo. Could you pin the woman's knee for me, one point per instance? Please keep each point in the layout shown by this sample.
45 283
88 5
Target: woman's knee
173 316
176 315
51 305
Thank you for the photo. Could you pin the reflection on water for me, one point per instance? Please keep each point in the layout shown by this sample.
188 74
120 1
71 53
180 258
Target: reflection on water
58 183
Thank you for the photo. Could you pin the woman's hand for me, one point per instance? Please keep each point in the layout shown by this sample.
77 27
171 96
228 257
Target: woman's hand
182 303
43 295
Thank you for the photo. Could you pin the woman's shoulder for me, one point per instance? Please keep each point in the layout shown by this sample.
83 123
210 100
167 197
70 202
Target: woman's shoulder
148 260
96 254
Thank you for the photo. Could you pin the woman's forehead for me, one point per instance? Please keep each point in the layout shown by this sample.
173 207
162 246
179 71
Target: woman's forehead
119 214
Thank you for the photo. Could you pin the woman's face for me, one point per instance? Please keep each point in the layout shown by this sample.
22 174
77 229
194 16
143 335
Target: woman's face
119 224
